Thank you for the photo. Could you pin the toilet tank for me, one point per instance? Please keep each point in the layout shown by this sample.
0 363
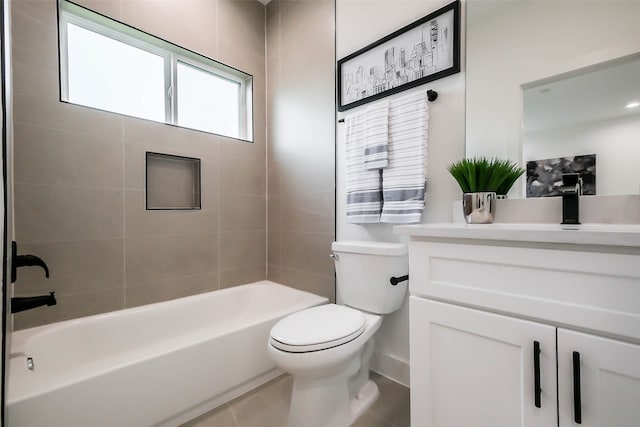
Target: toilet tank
363 271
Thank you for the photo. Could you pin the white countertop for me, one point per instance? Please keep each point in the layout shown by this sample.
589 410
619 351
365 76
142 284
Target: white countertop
586 234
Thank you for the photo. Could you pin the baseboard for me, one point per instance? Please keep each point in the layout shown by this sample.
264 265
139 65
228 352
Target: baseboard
391 367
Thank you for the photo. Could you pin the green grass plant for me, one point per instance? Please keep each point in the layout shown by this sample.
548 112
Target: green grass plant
483 174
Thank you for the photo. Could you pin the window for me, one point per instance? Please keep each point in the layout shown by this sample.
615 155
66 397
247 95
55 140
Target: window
110 66
207 101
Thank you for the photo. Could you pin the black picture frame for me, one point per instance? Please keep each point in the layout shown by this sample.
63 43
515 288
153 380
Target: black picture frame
357 86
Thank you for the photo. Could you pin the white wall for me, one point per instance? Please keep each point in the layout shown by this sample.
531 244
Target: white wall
359 23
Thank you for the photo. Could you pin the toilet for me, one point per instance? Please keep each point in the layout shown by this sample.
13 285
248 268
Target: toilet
327 348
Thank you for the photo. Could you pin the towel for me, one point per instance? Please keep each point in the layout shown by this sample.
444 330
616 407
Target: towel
404 179
376 142
364 187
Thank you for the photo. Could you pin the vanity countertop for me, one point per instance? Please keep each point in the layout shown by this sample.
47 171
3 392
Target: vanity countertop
622 235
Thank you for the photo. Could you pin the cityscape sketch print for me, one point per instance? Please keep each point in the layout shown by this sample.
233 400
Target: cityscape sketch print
413 55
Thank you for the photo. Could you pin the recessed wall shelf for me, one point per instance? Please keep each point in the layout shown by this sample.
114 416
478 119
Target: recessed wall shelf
172 182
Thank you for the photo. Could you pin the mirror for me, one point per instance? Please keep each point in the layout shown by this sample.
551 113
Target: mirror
533 64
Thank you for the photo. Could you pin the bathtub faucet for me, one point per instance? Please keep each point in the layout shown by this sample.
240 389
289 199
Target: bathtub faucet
25 261
19 304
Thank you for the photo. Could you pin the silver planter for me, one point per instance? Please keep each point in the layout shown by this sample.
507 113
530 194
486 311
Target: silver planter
479 208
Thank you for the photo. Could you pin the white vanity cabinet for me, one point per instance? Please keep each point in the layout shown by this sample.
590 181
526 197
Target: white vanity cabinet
500 327
474 368
609 380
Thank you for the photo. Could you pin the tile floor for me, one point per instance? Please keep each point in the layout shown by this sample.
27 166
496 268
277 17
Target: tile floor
267 406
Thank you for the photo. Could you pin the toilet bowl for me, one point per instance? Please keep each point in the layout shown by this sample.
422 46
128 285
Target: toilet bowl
327 348
327 363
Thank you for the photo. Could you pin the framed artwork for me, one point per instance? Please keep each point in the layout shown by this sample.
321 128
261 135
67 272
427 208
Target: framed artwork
544 177
425 50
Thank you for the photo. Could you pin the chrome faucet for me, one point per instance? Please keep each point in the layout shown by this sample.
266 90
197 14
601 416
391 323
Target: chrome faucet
571 191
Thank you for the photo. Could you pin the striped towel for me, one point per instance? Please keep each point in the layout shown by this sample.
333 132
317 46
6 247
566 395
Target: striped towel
364 187
376 142
404 180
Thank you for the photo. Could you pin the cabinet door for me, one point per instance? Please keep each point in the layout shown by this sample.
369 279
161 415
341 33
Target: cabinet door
473 368
608 393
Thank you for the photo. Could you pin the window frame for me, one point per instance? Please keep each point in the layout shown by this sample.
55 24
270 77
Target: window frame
72 13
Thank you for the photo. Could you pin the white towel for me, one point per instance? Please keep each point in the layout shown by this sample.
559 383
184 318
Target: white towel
376 142
364 187
404 179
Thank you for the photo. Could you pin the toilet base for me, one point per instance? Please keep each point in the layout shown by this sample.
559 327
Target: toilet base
364 399
327 403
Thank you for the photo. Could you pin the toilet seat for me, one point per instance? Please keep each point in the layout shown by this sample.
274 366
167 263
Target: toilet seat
317 328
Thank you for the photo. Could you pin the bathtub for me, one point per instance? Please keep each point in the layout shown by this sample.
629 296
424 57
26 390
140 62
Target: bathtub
155 365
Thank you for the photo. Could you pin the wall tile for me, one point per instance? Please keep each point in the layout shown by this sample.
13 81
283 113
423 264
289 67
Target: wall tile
151 259
34 31
301 152
242 23
307 251
301 176
308 212
318 284
274 247
164 290
240 176
141 136
249 62
242 249
30 81
51 156
142 222
243 150
36 111
110 8
274 213
187 23
50 212
273 175
240 276
74 266
242 213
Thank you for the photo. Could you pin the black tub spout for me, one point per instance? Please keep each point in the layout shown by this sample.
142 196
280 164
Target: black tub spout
19 304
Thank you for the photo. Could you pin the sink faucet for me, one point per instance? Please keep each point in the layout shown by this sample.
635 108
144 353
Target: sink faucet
19 304
571 191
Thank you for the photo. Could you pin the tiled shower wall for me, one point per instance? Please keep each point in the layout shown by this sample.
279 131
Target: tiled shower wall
79 172
301 149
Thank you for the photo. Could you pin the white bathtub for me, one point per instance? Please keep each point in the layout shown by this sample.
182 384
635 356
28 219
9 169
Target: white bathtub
156 365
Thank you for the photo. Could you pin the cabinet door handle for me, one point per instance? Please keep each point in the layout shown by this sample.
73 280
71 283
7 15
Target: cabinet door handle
537 390
577 398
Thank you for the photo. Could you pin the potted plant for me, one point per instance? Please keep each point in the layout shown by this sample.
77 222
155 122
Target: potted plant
480 180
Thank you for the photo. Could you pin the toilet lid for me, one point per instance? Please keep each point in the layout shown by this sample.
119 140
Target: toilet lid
317 328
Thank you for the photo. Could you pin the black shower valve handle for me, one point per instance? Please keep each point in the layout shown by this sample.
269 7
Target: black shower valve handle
25 261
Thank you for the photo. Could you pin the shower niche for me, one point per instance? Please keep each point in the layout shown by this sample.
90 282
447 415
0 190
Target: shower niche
172 182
